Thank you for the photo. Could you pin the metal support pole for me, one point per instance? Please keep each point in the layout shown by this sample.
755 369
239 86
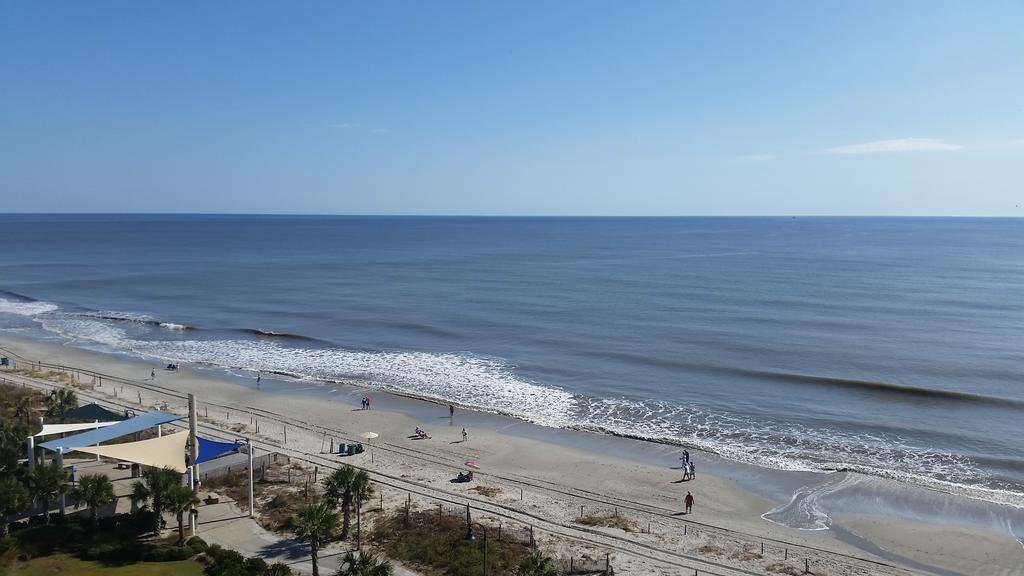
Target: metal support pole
193 442
60 464
192 485
159 430
30 452
251 499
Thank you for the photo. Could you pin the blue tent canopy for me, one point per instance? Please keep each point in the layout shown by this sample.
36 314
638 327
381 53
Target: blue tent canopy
210 449
130 426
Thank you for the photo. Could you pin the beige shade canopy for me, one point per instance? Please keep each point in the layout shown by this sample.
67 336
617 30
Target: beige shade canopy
51 429
167 451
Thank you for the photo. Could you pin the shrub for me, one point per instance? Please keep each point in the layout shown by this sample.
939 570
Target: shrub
221 562
197 544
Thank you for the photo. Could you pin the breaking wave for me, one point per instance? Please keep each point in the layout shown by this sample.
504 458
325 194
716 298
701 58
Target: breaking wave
25 307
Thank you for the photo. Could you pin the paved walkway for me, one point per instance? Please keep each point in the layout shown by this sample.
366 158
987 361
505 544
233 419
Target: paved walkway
229 526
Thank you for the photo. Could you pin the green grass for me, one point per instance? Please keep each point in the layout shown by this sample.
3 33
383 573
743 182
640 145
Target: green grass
69 565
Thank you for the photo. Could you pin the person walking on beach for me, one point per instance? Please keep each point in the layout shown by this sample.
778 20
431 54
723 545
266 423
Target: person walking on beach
367 402
152 374
258 378
686 457
465 436
451 411
688 501
693 471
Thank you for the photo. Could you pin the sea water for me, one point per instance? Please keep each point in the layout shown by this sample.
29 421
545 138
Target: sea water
886 346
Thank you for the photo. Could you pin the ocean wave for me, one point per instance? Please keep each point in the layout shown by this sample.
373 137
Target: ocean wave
491 384
175 327
26 307
273 334
134 318
882 387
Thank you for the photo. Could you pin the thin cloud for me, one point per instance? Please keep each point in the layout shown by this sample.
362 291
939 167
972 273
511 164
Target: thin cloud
343 125
896 146
381 130
759 157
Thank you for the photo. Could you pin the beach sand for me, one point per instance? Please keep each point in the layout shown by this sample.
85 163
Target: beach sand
543 482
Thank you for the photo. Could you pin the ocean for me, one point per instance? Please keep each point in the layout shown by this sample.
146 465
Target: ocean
886 346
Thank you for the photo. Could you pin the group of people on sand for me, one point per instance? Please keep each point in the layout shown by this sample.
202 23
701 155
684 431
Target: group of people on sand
366 402
689 469
421 433
689 473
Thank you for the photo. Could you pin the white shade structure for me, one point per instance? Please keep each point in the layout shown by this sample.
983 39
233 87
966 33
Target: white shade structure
51 429
167 451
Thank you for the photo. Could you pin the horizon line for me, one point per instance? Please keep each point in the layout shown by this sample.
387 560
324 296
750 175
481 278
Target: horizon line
522 216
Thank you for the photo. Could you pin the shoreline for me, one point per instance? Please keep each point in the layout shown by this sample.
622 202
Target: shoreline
776 455
760 491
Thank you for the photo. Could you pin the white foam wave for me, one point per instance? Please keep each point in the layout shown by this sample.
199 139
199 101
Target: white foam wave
804 510
173 326
483 383
81 328
25 308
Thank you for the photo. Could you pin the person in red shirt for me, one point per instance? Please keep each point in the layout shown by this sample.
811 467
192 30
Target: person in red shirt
688 501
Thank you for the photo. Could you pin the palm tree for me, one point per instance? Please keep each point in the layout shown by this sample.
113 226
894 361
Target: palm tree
13 498
179 500
364 564
347 484
536 564
25 407
48 481
60 401
94 490
156 484
12 449
317 522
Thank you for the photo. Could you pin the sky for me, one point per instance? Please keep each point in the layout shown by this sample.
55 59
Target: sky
867 107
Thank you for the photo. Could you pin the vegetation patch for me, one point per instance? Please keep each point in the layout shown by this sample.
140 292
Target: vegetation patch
608 521
65 564
711 549
747 554
277 499
783 568
438 545
489 491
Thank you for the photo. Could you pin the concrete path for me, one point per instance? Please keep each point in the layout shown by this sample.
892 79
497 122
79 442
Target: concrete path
229 526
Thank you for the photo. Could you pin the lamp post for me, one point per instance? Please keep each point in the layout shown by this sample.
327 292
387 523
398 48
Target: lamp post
471 536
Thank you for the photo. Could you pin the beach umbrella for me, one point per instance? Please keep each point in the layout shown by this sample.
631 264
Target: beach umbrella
473 464
369 435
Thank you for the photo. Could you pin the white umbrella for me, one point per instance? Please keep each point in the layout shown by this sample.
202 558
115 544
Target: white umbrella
369 435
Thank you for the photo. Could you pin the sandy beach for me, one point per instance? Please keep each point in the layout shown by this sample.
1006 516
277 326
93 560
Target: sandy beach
546 477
